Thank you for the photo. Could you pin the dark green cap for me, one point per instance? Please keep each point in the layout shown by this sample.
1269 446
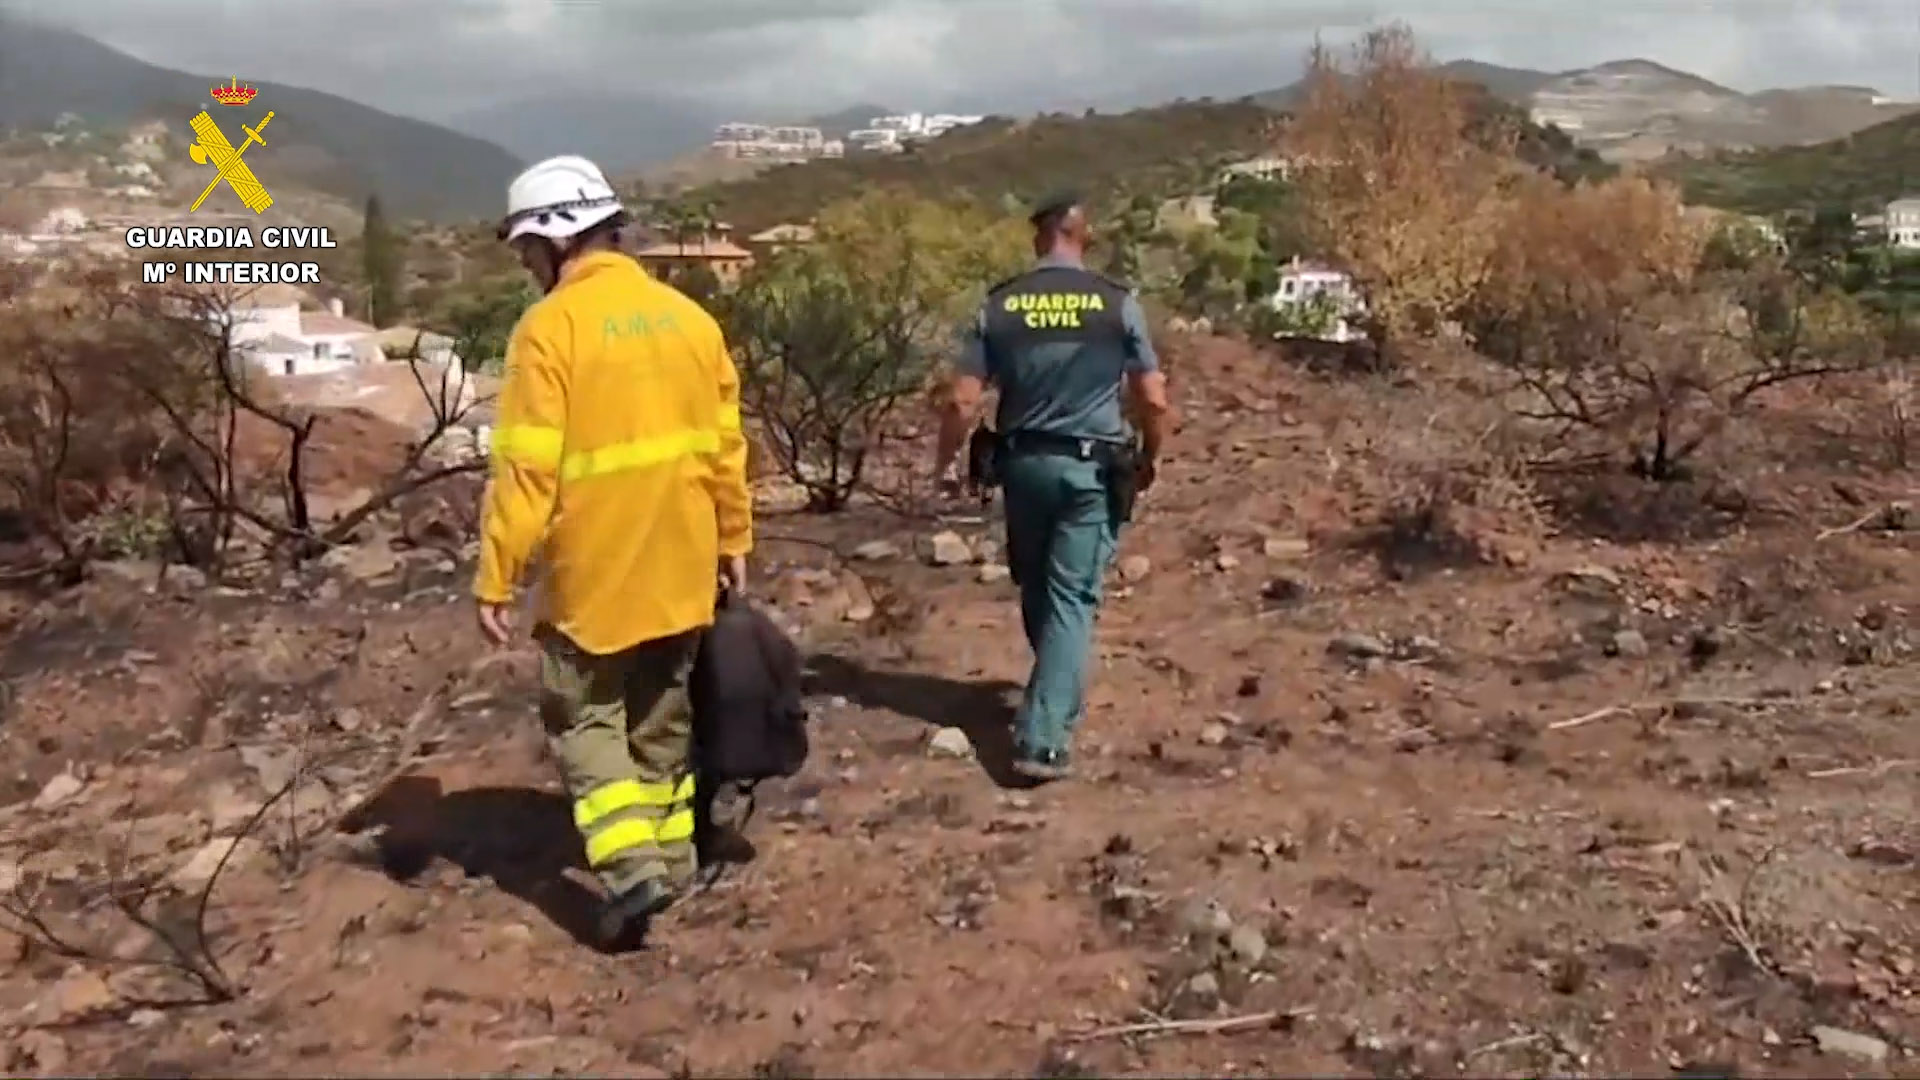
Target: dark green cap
1050 210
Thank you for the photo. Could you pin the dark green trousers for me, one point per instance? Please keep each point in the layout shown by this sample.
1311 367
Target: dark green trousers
621 727
1060 538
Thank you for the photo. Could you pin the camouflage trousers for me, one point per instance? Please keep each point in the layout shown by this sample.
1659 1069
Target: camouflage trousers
621 728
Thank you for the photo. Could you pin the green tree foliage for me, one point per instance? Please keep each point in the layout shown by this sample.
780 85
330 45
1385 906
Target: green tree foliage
480 318
1862 172
1005 163
1219 265
383 263
834 336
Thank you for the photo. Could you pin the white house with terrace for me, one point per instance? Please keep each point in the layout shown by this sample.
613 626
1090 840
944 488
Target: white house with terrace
275 331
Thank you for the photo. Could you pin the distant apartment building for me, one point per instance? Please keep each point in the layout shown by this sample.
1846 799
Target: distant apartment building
889 134
777 142
1903 223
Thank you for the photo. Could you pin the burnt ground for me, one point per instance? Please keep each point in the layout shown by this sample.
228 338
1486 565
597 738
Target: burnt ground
1349 805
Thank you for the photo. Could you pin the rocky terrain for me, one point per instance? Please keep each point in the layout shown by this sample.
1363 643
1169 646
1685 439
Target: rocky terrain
1351 803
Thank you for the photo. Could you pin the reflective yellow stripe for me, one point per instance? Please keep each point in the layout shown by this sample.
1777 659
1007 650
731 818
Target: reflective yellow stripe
529 445
621 837
639 454
730 417
624 794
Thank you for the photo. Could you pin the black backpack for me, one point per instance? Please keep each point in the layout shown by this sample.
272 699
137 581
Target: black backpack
749 714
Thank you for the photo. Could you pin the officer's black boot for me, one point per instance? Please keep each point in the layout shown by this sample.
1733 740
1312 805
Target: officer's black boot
625 918
1042 764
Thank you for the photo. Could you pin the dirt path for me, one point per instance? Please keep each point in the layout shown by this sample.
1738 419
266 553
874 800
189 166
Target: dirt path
1621 809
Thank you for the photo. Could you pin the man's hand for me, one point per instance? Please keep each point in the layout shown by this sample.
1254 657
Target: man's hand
496 622
1145 474
733 573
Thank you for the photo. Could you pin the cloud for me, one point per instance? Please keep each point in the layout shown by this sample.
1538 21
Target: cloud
440 57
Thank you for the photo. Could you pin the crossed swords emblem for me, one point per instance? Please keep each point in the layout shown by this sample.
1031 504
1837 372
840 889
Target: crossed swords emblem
212 146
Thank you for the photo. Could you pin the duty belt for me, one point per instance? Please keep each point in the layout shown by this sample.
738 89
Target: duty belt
1048 442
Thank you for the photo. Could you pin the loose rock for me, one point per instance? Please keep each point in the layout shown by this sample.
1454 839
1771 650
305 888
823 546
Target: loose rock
946 549
1247 944
58 790
1628 643
1135 568
1276 547
1844 1043
877 551
994 573
207 861
1359 647
950 742
1203 917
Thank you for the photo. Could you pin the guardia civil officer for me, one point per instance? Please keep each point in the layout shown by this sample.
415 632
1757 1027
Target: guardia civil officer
1059 342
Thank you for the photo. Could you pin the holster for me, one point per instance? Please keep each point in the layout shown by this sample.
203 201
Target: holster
983 458
1119 465
1121 473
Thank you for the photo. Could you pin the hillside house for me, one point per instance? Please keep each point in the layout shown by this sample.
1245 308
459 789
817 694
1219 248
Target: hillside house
716 251
780 236
1268 167
1903 223
413 343
1320 300
273 330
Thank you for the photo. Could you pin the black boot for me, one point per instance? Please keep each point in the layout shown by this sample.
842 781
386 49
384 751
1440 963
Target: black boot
626 917
1042 764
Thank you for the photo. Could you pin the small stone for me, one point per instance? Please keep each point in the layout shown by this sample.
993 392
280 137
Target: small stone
1203 917
950 742
1135 568
146 1018
57 791
213 858
857 604
986 550
1359 647
1839 1041
1276 547
1203 988
1225 561
1214 734
1247 944
946 549
1628 643
877 551
994 573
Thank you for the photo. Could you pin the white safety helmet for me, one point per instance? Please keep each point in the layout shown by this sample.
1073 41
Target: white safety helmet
558 198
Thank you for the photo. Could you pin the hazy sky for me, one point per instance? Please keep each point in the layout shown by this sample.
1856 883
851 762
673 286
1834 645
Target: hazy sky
438 57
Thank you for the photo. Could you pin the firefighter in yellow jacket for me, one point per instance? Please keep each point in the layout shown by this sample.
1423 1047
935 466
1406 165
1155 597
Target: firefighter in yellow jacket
617 454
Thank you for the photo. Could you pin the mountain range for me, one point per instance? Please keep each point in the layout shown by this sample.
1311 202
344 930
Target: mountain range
1625 110
1638 110
325 142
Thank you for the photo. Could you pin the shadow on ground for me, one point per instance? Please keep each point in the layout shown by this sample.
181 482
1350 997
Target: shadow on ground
521 838
982 708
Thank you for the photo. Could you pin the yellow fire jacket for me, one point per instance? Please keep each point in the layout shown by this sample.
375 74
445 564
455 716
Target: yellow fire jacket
617 450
